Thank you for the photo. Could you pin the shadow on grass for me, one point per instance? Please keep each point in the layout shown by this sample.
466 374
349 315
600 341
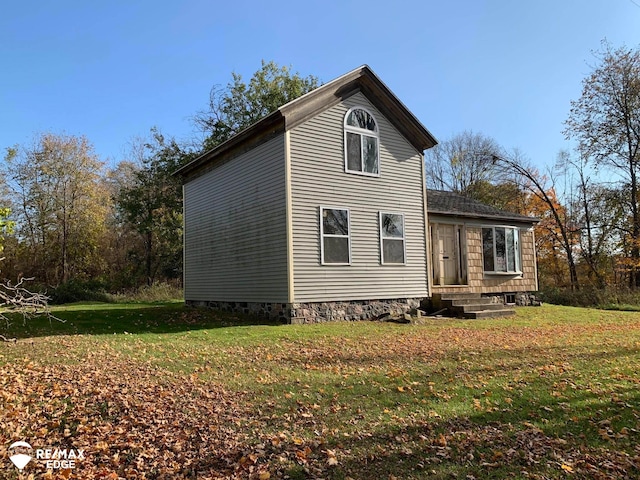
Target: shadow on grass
586 435
558 422
105 318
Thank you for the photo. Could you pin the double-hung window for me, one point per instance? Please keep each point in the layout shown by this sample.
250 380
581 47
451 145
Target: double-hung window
392 239
335 236
361 142
501 250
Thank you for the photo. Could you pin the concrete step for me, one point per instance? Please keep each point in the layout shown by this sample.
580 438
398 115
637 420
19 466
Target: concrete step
470 305
475 307
503 312
447 299
470 301
455 296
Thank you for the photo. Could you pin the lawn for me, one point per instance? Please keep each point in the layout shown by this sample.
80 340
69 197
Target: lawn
168 392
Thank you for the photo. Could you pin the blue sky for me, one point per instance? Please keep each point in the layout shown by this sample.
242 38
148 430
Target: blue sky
112 70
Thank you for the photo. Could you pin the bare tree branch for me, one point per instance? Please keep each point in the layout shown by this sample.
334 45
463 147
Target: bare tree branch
19 299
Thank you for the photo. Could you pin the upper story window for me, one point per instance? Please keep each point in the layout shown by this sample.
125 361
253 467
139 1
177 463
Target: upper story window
501 250
361 142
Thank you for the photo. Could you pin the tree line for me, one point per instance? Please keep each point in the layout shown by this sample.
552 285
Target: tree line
65 216
588 200
68 217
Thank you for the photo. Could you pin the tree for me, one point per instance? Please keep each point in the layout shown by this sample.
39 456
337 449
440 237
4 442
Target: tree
605 121
59 206
16 297
150 203
597 211
122 243
561 227
6 225
239 105
465 163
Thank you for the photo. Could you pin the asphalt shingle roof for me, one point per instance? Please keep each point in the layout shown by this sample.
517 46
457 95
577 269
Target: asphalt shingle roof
450 203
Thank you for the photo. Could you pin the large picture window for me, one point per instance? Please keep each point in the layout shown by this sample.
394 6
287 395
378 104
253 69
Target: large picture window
361 142
501 250
335 236
392 240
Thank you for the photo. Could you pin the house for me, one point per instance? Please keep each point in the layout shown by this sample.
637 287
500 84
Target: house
316 212
478 250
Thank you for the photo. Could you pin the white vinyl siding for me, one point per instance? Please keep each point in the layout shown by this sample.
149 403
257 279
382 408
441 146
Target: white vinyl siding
318 178
235 229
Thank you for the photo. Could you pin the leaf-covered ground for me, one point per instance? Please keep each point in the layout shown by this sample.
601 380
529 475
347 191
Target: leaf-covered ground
173 393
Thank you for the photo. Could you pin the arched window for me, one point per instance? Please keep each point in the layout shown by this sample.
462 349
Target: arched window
361 142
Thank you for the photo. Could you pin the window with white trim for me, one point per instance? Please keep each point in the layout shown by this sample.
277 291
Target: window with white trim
361 142
335 244
501 250
392 240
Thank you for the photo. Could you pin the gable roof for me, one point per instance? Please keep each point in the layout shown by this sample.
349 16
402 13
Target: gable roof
449 203
362 79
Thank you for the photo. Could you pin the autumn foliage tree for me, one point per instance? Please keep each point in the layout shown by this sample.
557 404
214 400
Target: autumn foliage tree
605 121
58 207
553 266
78 222
15 297
149 203
562 231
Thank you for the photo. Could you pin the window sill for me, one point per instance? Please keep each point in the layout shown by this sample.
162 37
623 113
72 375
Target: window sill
503 274
363 174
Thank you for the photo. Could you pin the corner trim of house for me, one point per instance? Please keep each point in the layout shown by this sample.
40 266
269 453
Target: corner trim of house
427 238
289 212
535 258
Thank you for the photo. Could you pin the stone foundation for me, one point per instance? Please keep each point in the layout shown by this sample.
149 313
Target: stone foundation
350 310
271 311
316 312
520 299
528 299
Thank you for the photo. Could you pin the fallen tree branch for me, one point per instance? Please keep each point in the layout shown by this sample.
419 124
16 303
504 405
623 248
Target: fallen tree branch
19 299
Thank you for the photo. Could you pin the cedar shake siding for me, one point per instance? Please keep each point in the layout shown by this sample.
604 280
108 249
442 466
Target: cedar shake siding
487 283
478 281
468 217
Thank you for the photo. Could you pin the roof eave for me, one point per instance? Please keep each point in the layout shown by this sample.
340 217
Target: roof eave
365 80
273 120
300 109
397 112
519 219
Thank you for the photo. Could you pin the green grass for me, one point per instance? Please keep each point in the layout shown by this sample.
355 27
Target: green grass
551 393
